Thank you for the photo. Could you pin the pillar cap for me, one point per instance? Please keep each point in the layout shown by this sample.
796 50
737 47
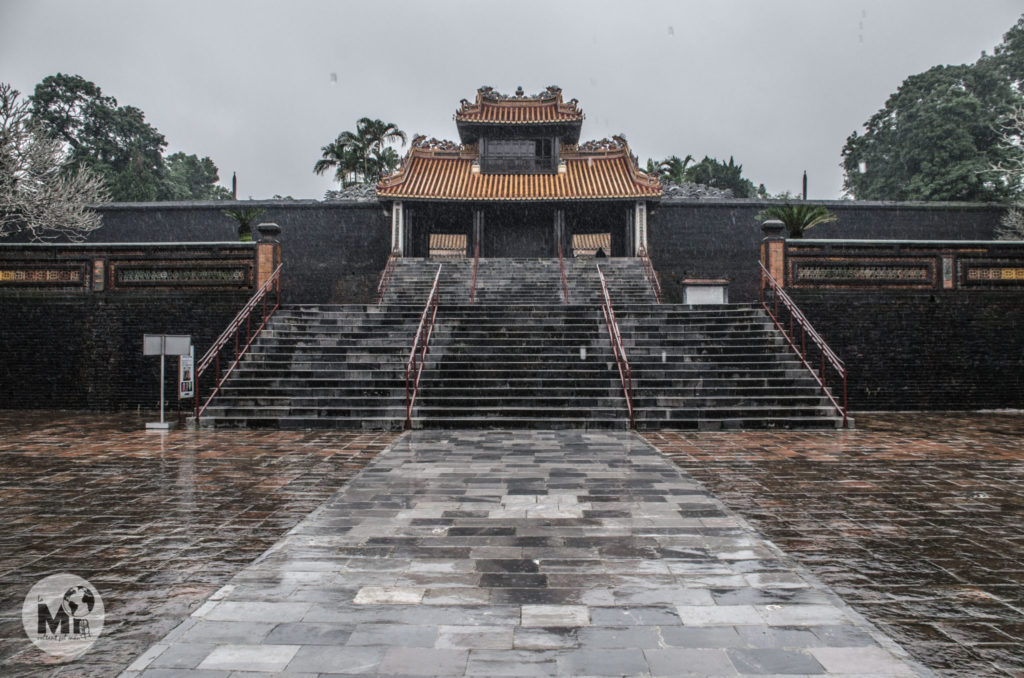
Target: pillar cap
774 229
269 232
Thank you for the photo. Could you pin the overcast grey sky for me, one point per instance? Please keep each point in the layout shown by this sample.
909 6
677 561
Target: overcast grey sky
778 84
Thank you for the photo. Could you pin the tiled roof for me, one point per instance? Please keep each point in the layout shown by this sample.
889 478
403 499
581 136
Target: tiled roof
596 170
453 244
589 243
546 107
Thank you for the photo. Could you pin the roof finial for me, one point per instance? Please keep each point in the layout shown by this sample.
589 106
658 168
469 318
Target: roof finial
519 91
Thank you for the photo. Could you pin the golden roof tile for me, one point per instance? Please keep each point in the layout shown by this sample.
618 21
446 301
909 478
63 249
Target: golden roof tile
518 109
436 170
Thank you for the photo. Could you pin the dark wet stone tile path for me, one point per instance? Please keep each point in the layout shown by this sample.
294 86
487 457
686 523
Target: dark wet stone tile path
156 522
917 520
523 553
913 519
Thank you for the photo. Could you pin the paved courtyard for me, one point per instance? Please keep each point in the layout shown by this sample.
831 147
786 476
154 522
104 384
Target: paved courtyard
523 554
917 520
156 522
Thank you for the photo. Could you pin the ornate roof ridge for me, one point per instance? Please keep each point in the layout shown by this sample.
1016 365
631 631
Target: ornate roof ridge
489 98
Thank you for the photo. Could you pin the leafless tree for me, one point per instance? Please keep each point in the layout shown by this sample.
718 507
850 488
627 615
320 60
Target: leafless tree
38 196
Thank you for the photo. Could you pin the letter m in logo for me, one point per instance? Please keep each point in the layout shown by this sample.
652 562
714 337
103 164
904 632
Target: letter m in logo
51 622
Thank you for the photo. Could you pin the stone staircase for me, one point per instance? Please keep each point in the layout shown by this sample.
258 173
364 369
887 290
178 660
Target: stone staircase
519 357
322 367
521 366
717 367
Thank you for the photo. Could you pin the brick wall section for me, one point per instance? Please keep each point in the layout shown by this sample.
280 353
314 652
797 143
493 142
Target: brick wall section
921 350
84 351
71 331
721 238
333 251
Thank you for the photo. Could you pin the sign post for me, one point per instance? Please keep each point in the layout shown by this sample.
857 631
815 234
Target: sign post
186 380
164 345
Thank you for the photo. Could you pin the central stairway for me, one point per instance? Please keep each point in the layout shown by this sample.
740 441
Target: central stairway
518 356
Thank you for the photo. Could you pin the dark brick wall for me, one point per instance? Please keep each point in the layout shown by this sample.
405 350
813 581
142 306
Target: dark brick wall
333 252
720 239
956 350
84 351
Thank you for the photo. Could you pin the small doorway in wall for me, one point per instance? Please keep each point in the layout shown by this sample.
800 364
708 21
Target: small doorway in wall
447 245
587 244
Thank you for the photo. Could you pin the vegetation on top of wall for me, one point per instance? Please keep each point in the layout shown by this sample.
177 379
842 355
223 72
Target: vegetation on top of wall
797 217
115 142
946 134
364 156
39 198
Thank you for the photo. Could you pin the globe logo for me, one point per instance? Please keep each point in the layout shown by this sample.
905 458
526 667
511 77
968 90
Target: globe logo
63 615
78 602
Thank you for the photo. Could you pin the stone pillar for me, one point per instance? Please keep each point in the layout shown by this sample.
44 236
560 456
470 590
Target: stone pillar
478 229
773 249
268 252
560 231
630 239
640 227
397 227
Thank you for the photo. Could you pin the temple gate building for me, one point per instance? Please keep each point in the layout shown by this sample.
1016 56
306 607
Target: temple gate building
519 184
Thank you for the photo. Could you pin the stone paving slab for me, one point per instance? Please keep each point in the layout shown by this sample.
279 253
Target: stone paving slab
523 553
913 519
157 522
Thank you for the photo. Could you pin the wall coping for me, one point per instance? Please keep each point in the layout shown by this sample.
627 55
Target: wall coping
665 201
234 204
839 242
115 245
853 204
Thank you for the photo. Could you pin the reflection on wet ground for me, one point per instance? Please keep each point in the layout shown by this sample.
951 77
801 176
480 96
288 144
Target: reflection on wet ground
914 519
156 522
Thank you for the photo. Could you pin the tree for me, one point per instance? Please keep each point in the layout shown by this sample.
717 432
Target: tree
189 177
363 156
114 141
940 136
117 143
1011 226
376 135
671 170
244 219
38 195
713 172
797 217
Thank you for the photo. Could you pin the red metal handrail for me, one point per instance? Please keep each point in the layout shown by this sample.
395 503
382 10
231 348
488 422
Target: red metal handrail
385 275
414 367
797 319
652 275
476 264
561 264
234 328
625 373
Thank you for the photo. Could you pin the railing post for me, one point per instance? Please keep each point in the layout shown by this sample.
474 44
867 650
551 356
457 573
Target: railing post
773 250
268 252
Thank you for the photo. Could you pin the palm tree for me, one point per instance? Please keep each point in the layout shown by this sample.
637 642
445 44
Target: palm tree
376 135
384 162
671 170
345 156
362 156
797 217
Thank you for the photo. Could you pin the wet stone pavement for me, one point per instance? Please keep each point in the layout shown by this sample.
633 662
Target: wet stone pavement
157 523
916 520
522 553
